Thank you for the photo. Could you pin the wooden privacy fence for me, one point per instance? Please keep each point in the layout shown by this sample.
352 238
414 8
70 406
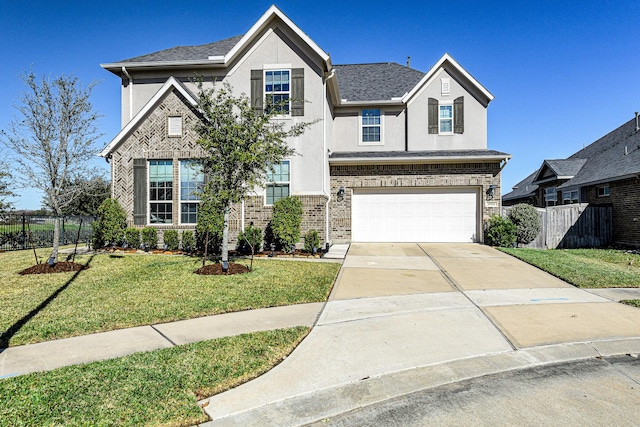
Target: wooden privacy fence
573 226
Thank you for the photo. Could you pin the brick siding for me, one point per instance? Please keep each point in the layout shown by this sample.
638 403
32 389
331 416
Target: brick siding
480 175
624 197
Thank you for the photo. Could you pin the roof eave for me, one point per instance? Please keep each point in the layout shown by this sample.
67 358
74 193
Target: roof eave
416 160
346 103
116 67
600 181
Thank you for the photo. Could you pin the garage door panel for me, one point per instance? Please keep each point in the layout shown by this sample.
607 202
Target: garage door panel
414 215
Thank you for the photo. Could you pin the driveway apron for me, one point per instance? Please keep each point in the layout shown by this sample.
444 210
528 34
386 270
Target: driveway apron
407 311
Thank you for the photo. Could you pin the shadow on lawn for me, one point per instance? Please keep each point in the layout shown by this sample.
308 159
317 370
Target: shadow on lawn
6 336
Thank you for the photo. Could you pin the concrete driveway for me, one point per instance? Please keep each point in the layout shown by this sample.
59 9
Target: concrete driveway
407 317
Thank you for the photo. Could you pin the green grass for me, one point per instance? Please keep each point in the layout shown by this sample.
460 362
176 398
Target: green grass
633 302
585 268
132 290
158 388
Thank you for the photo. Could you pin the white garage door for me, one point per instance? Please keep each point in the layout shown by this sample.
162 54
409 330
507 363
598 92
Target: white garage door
414 215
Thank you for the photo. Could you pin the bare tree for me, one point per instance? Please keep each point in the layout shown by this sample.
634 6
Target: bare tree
5 189
52 141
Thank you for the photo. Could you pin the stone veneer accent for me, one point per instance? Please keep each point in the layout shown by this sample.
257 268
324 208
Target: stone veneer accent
480 175
150 141
624 197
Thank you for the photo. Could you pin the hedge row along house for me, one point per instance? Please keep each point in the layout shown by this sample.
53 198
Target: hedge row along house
396 154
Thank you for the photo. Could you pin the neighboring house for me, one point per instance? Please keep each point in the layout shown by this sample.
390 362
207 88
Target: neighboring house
606 172
396 154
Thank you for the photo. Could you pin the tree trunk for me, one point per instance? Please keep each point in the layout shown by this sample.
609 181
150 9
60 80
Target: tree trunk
206 246
225 240
56 241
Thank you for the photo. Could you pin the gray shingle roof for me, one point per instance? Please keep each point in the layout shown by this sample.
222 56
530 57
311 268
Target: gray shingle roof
606 158
411 154
524 188
189 53
375 82
562 168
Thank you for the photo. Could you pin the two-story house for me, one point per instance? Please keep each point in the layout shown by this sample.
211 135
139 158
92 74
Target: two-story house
396 154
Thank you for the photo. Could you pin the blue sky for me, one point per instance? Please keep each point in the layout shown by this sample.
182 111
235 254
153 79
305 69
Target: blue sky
563 73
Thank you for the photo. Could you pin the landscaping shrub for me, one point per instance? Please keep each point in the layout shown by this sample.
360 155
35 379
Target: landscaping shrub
150 238
311 241
250 240
170 238
132 236
212 220
108 229
188 241
500 231
527 221
286 222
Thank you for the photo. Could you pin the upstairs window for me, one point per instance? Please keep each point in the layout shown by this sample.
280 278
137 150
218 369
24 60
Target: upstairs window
550 196
278 182
277 84
603 191
160 191
371 127
446 117
191 185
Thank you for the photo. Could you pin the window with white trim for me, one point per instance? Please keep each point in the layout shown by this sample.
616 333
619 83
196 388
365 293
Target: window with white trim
191 185
277 90
550 196
278 182
174 126
160 191
603 191
371 127
569 197
446 118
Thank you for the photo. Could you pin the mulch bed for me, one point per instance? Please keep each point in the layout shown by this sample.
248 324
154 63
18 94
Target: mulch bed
60 267
216 269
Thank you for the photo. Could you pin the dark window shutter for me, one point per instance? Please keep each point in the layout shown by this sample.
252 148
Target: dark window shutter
433 115
297 92
458 115
139 191
257 88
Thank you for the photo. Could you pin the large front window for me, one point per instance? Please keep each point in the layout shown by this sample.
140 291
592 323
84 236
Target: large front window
278 182
160 191
277 90
371 126
191 185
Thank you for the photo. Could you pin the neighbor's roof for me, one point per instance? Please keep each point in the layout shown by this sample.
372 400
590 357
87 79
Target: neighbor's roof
561 168
375 82
523 189
614 156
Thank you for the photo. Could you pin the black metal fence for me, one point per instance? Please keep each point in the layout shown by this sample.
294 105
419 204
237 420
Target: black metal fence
20 231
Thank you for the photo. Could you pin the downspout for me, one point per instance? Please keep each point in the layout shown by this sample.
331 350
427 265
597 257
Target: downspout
126 73
326 185
406 127
503 165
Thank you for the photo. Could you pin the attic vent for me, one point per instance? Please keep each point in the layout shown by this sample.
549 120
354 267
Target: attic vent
445 85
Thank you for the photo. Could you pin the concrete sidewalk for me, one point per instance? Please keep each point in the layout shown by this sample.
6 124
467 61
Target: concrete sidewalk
49 355
407 317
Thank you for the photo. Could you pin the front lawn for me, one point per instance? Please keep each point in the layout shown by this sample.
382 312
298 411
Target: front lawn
121 291
585 268
155 388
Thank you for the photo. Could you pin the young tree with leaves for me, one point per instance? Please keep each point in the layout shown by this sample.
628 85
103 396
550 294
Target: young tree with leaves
5 191
53 141
240 144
